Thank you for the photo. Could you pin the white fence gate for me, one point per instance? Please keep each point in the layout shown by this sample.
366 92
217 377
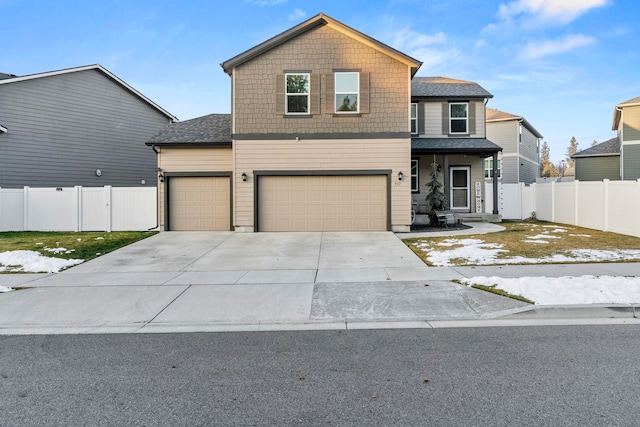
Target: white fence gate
601 205
78 209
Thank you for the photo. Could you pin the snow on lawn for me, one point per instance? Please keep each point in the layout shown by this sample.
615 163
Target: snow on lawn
5 289
33 262
567 290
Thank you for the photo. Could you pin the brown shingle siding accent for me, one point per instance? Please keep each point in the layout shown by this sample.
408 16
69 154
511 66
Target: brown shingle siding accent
321 51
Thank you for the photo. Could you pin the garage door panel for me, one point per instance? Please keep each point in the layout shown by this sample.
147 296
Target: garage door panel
199 203
322 203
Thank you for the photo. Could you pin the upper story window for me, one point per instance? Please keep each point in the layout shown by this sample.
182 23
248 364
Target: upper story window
347 91
459 117
414 118
297 93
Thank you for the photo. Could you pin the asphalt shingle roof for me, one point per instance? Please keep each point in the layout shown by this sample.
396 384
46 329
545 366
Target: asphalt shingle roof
493 114
454 145
635 100
443 87
609 147
213 129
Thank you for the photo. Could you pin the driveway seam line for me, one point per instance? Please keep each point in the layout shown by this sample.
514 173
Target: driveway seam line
167 306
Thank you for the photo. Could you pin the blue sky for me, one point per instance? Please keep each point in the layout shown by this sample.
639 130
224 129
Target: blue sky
562 64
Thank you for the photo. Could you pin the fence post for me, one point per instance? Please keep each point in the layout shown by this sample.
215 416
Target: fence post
553 201
576 200
108 208
25 205
78 208
605 205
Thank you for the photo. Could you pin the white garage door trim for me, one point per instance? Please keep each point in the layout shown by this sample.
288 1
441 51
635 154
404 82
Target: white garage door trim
167 192
260 174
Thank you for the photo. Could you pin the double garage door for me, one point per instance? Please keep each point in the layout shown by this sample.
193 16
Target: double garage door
322 203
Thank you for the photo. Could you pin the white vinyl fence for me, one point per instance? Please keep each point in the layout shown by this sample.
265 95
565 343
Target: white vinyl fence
78 209
601 205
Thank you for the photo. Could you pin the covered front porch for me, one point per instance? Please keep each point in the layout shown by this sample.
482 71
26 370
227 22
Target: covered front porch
459 166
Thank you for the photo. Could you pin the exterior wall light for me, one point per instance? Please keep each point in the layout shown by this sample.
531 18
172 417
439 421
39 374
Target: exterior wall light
161 177
244 177
400 176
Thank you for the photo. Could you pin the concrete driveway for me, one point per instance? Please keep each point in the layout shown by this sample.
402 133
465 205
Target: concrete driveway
202 281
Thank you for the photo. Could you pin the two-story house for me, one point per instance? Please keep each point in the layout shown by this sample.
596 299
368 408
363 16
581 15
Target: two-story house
519 160
320 139
78 126
618 157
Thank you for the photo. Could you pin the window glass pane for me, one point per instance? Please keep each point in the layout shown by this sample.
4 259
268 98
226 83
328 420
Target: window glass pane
346 102
459 178
297 83
414 175
297 103
414 111
459 198
459 110
347 82
458 125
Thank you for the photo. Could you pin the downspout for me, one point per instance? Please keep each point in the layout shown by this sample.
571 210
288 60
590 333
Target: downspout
494 166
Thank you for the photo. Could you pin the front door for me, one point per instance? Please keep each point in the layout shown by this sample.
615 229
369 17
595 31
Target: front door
460 187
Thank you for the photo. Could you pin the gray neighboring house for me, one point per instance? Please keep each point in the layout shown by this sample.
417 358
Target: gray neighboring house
602 161
77 126
519 160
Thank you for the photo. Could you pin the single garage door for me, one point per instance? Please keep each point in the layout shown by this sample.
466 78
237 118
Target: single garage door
199 204
322 203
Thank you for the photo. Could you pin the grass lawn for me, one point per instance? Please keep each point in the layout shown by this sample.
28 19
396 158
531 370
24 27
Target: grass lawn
529 242
69 245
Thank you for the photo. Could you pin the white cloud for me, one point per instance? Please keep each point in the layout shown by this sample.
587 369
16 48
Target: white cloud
411 40
297 15
536 50
431 49
563 11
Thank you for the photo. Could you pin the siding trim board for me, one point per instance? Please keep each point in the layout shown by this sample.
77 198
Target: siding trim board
285 136
263 173
167 185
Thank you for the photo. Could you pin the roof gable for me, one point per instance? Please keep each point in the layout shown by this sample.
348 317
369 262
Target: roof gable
97 67
444 87
493 115
319 20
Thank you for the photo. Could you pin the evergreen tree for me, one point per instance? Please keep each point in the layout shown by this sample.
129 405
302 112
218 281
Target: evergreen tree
436 198
571 150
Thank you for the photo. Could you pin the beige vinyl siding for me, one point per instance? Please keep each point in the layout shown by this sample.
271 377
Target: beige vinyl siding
435 120
190 159
597 168
631 124
631 159
321 52
335 155
504 134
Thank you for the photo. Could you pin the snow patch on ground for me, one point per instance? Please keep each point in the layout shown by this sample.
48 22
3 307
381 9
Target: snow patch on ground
567 290
33 262
5 289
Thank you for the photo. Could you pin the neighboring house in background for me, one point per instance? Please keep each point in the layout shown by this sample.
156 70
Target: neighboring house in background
79 126
319 139
520 142
619 157
448 128
626 121
602 161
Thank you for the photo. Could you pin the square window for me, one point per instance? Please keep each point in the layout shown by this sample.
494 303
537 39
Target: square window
458 116
346 91
297 93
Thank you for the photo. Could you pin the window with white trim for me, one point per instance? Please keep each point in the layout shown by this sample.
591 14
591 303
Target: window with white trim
297 93
347 88
414 118
458 117
488 168
414 175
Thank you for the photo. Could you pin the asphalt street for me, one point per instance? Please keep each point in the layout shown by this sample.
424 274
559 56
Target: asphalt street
516 376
